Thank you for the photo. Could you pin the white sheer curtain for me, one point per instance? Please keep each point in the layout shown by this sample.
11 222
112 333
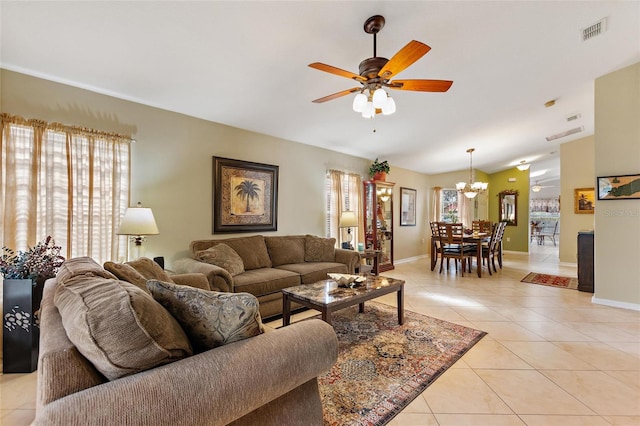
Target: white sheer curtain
344 193
436 210
68 182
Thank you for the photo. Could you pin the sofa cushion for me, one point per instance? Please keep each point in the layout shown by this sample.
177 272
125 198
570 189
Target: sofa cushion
252 250
209 318
150 269
127 273
318 249
312 272
118 327
223 256
265 281
285 250
81 266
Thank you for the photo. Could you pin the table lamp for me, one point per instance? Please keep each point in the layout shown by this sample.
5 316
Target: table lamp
137 222
348 220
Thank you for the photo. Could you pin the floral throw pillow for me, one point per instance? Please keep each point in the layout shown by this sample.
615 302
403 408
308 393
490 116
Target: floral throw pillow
223 256
209 318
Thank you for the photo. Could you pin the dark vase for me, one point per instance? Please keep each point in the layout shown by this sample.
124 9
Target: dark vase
20 326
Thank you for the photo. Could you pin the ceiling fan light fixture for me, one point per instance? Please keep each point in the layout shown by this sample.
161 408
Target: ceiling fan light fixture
389 107
368 111
359 102
523 166
379 98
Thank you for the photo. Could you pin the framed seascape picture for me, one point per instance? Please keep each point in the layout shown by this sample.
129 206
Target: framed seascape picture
245 196
584 200
624 187
407 207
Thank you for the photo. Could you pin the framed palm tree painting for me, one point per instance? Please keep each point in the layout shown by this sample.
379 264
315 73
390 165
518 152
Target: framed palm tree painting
245 196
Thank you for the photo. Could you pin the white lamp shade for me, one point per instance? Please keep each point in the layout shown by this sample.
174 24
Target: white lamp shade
470 194
348 219
138 221
460 185
369 111
389 107
359 102
379 98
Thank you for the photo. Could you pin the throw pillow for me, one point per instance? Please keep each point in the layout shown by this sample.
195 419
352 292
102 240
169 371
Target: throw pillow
149 269
319 249
127 273
118 327
81 266
210 318
285 250
223 256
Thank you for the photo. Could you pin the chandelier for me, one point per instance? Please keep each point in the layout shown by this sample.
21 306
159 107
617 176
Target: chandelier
377 101
471 189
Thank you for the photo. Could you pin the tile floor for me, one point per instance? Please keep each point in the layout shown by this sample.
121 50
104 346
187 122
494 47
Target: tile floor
551 356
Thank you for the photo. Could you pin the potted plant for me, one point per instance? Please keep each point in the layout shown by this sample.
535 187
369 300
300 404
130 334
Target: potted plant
24 274
378 170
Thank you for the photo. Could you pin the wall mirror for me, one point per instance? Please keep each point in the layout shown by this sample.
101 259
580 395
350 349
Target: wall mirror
509 207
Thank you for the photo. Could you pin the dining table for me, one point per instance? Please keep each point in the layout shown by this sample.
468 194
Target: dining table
475 238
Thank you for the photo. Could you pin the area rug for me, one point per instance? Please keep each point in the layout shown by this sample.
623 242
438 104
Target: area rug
383 366
551 280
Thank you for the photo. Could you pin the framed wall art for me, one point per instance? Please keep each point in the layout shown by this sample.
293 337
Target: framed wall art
623 187
245 196
584 200
407 207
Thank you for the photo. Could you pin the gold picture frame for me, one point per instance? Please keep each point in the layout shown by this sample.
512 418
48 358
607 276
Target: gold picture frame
245 196
584 200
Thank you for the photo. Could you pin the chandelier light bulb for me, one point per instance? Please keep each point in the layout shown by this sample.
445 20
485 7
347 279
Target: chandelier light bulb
379 98
359 102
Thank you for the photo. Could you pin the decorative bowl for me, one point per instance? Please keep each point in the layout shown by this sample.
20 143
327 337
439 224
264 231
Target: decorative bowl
346 280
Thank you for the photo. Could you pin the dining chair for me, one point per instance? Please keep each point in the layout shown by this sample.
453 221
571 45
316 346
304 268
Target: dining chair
436 244
452 246
492 249
481 226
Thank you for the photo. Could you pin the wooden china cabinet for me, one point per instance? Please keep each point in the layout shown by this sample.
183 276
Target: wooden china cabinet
378 220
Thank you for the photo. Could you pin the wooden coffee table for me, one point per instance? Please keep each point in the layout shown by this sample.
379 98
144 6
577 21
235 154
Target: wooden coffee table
325 296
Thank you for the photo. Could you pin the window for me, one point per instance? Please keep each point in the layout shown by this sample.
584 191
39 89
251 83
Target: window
449 206
343 194
67 182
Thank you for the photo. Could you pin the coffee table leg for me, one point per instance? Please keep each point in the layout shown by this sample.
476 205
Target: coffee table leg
361 308
326 316
401 305
286 310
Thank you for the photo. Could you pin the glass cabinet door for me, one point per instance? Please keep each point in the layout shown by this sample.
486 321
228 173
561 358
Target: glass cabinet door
378 220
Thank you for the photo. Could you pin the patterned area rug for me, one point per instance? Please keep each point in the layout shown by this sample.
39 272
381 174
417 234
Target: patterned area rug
551 280
383 366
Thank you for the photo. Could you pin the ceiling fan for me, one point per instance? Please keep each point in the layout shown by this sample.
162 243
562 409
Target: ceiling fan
537 187
376 73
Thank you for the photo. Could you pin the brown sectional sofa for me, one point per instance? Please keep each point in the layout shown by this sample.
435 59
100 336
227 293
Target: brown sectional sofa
248 382
271 264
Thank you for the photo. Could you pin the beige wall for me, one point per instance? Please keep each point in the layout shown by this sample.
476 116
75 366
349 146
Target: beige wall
577 171
172 164
617 222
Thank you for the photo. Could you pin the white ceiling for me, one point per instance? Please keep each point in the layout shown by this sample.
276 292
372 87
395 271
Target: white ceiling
244 64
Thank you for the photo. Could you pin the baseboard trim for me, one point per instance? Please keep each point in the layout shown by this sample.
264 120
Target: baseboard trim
615 303
410 259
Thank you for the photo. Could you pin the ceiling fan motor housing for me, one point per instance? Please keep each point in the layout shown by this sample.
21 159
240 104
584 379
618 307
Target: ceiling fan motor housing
369 68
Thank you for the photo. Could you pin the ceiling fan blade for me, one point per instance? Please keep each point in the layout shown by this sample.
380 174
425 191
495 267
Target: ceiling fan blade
406 56
337 71
421 85
337 95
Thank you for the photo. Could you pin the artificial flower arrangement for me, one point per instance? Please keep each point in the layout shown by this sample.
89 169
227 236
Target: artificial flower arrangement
39 263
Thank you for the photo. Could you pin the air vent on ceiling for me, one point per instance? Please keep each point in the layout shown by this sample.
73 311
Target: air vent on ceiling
594 30
563 134
573 117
